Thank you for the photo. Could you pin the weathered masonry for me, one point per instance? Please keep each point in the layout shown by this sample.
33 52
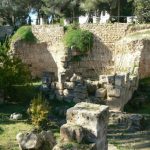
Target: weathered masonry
118 56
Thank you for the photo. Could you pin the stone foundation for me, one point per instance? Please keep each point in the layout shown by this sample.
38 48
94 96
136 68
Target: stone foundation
112 90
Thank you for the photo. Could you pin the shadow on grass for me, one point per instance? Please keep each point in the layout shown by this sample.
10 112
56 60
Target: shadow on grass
125 139
1 130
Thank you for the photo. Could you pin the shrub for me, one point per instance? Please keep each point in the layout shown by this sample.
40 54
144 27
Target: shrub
12 70
81 40
142 10
24 33
38 111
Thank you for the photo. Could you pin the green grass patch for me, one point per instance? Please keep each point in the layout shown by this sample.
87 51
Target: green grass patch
8 136
144 109
24 33
139 35
23 93
9 128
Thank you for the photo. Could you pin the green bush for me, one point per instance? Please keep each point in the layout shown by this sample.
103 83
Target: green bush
12 70
22 94
38 111
80 40
24 33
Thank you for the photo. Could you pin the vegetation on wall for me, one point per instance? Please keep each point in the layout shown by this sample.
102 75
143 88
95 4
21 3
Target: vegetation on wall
24 33
79 40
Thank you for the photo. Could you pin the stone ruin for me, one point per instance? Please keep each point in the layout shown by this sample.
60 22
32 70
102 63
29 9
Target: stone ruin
113 52
86 128
112 90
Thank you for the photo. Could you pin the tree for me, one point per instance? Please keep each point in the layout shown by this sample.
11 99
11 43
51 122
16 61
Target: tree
93 5
62 8
37 7
121 8
12 70
14 11
142 10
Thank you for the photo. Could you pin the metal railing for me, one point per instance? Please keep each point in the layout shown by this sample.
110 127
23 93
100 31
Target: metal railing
84 19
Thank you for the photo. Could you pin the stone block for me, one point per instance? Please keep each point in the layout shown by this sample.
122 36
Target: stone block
65 92
115 104
119 80
15 116
92 117
113 92
133 80
29 141
72 132
126 75
101 93
59 86
33 140
76 78
61 77
107 79
91 86
69 85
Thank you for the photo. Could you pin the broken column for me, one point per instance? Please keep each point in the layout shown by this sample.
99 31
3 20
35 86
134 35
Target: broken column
86 123
120 88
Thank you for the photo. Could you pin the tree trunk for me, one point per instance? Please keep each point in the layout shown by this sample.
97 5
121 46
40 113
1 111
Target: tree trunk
118 10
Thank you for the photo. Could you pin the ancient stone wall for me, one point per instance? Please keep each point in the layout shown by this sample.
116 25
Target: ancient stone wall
37 57
112 90
127 56
50 49
100 59
133 57
109 54
46 54
144 65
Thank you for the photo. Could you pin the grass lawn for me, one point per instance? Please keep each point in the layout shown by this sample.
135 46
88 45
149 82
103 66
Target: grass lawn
9 129
8 132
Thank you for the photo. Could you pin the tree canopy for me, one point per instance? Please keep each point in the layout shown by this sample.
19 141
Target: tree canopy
142 10
14 11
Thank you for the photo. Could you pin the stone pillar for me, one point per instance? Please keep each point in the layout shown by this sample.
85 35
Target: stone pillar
86 123
119 89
